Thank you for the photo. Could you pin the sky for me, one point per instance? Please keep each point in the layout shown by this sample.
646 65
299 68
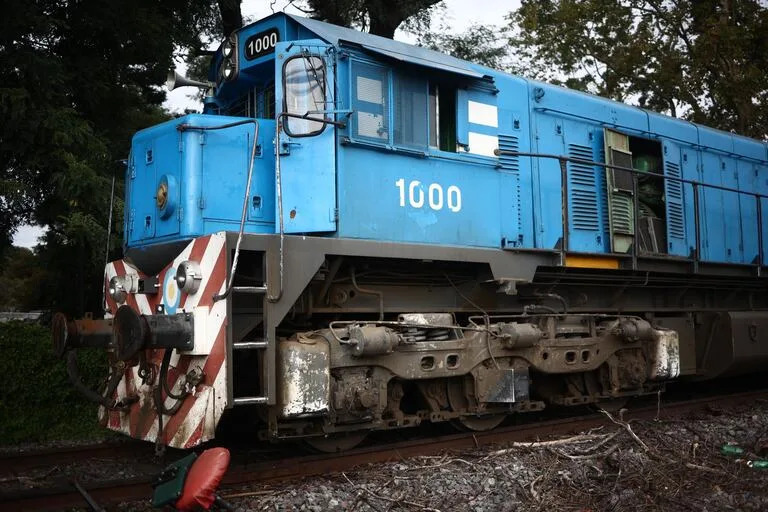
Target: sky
459 15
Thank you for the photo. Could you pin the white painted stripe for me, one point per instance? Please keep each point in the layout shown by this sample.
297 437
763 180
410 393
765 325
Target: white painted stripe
481 144
482 113
197 412
143 303
207 264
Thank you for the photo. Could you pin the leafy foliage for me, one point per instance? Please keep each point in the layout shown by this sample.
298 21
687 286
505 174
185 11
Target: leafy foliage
480 44
379 17
704 60
37 402
22 281
77 80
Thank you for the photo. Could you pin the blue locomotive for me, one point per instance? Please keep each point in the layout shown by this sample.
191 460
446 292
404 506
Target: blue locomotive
359 234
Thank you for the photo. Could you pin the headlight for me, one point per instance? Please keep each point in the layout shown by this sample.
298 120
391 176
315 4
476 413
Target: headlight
226 49
188 276
117 289
227 72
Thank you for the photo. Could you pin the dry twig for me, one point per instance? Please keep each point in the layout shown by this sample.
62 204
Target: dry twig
391 500
626 427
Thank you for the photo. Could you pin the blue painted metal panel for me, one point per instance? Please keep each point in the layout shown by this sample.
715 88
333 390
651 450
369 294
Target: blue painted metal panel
722 237
671 128
748 178
224 174
205 172
515 191
385 195
550 138
467 125
550 98
587 213
307 164
750 170
140 185
689 162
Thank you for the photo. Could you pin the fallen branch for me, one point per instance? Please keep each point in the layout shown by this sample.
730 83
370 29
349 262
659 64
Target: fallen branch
626 427
705 468
587 457
540 444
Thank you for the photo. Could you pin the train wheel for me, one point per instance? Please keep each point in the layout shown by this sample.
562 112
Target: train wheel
458 400
338 442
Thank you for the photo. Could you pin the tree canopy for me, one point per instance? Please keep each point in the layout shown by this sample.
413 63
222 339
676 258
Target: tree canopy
704 60
77 79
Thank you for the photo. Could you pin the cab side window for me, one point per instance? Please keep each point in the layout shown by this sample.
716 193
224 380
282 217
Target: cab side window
370 102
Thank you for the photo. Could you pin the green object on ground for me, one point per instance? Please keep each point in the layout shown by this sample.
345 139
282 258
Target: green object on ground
731 449
758 464
171 482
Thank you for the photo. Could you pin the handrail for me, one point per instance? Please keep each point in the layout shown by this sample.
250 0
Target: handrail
563 160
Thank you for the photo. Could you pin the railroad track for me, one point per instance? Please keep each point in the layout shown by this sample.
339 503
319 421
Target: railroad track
15 462
64 495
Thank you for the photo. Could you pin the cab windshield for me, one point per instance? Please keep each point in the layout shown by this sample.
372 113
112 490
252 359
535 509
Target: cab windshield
304 79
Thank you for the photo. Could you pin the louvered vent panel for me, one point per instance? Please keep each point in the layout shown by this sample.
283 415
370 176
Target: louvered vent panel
511 165
603 184
509 162
674 191
621 207
583 193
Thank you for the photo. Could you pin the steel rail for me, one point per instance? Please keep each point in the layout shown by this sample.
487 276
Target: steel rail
108 493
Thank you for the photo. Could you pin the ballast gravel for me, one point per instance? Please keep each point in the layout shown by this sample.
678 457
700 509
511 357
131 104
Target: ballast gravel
669 465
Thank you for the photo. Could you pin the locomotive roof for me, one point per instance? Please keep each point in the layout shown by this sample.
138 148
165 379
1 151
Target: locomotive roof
408 53
397 50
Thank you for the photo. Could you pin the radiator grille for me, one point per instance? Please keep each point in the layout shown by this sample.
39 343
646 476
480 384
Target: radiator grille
674 192
622 210
582 189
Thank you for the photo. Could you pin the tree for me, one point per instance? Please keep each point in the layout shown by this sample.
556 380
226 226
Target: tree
77 79
480 44
378 17
703 60
22 281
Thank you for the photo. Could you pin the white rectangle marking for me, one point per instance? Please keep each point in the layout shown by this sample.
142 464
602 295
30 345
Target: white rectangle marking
481 144
482 113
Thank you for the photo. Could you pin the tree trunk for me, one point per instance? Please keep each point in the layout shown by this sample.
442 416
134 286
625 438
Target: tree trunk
231 16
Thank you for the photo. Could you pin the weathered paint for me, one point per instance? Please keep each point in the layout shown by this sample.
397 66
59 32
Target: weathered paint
305 377
195 421
664 356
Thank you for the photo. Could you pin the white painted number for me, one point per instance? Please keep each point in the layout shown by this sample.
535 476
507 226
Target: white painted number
265 42
435 195
414 186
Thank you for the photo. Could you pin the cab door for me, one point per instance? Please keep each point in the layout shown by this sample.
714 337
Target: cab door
306 152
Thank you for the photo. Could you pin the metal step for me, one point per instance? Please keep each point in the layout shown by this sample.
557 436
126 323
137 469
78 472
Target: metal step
250 400
249 289
250 345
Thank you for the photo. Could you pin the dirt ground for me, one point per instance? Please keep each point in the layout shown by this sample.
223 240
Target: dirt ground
641 465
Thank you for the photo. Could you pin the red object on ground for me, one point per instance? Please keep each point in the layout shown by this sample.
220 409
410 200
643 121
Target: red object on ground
203 480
